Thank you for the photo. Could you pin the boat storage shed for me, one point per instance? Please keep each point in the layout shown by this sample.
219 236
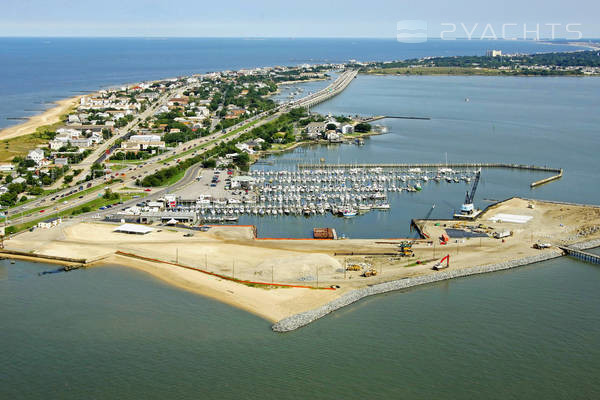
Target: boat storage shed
134 229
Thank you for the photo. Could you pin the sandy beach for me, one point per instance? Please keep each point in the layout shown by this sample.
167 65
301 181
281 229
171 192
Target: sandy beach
48 117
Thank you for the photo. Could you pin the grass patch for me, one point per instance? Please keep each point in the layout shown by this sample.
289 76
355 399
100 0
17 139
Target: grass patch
20 146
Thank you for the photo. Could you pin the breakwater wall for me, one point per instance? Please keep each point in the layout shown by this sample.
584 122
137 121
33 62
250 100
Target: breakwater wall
547 180
299 320
41 257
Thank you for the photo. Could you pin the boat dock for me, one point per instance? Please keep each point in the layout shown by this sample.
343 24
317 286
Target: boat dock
433 165
582 255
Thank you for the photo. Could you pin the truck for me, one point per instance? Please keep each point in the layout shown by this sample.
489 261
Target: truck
502 234
541 246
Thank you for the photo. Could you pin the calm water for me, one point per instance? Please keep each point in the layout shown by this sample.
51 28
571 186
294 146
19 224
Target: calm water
118 333
529 333
543 121
35 71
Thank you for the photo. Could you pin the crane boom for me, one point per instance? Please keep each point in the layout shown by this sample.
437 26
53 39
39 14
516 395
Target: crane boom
470 197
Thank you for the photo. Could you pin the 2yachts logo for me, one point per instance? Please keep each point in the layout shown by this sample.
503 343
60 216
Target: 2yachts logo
417 31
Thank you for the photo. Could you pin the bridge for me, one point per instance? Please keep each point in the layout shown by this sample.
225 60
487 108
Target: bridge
582 255
330 91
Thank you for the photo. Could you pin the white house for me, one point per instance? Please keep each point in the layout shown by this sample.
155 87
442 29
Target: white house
333 136
61 161
6 167
346 129
37 155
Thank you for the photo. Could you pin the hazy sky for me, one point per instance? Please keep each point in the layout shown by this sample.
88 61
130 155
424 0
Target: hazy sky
306 18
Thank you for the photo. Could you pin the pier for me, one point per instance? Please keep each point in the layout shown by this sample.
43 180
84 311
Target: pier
379 117
433 165
582 255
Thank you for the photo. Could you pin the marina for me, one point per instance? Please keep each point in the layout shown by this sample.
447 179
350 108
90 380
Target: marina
308 192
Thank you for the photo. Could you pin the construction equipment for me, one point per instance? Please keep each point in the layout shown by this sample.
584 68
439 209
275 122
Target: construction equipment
370 272
440 264
406 249
467 210
353 267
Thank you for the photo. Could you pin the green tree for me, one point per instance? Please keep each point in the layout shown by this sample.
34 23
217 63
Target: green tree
363 127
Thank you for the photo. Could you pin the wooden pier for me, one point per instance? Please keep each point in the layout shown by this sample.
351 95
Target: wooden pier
582 255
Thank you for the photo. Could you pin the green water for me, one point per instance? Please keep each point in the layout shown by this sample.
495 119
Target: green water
113 332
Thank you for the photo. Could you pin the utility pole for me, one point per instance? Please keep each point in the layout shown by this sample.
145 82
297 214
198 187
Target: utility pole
317 276
177 256
234 268
272 268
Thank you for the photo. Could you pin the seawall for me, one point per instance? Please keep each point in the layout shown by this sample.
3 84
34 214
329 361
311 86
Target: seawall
299 320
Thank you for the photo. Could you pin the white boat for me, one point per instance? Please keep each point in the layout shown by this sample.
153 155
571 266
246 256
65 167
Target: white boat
349 213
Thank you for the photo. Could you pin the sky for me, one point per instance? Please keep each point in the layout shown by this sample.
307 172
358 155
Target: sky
306 18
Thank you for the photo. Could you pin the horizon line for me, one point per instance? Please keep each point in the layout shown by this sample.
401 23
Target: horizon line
583 39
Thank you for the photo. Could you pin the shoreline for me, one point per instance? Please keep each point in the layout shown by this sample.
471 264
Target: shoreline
228 292
33 123
302 319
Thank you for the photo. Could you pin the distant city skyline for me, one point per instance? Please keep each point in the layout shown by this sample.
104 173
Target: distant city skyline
270 18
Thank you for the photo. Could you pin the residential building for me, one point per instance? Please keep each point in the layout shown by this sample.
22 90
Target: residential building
316 127
37 155
346 129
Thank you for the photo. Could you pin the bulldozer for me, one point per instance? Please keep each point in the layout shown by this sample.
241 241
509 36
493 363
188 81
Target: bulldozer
353 267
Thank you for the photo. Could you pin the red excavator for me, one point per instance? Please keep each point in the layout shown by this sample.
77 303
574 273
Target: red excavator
440 264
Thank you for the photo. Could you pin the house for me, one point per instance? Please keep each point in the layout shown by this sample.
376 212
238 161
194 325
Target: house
74 119
37 155
244 147
346 129
316 127
3 189
62 161
6 167
49 223
333 136
236 113
83 142
20 179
